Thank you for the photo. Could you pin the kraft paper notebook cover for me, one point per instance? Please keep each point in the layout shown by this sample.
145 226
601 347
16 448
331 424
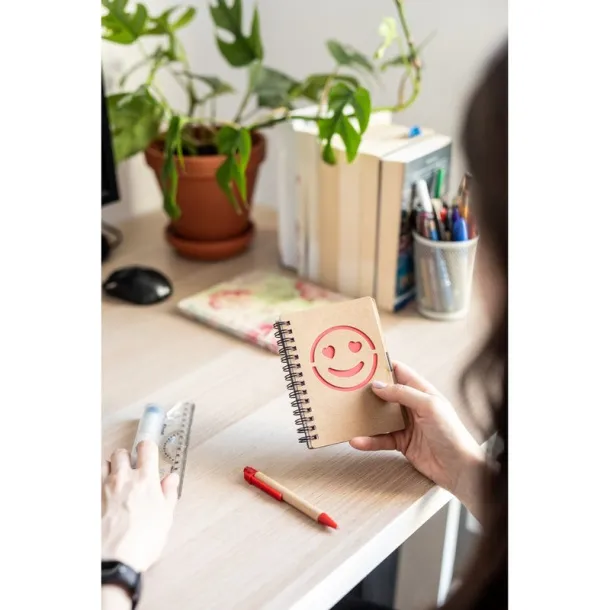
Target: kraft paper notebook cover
331 356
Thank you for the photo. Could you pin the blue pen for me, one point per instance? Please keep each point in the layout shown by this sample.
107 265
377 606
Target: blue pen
460 230
455 214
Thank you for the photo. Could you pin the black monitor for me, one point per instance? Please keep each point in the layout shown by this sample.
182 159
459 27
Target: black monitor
110 190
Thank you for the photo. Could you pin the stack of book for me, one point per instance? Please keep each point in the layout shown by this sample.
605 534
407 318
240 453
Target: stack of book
346 226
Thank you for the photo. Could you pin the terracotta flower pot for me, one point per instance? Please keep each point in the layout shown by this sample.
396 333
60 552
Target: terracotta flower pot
209 228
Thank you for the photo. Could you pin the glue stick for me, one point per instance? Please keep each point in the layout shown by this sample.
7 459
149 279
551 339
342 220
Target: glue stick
150 428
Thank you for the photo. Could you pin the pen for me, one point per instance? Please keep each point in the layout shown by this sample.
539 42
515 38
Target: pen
280 493
460 230
455 214
424 195
438 264
463 209
443 214
425 225
464 184
463 195
432 228
442 217
426 203
438 233
446 218
428 226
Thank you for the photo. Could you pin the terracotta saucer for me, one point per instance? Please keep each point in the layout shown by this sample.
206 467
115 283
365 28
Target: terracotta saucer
210 250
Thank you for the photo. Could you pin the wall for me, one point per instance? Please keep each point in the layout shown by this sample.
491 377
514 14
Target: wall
294 33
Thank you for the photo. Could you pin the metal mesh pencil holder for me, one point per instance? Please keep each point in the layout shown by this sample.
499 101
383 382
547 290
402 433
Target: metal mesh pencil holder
443 275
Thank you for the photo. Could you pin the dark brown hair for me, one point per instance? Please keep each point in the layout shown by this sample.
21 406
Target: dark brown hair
485 141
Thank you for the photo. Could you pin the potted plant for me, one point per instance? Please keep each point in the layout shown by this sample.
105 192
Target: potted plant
207 166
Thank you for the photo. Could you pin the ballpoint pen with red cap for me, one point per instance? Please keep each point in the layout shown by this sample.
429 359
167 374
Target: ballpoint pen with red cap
280 493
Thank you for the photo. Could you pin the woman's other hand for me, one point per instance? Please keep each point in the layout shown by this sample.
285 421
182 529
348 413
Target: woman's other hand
435 440
137 509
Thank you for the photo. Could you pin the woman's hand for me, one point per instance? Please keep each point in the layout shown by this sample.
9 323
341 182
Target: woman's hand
137 509
435 441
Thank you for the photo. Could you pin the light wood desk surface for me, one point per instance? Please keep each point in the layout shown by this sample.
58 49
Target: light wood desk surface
231 546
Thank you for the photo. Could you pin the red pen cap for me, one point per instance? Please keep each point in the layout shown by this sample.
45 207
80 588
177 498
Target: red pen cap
249 473
249 476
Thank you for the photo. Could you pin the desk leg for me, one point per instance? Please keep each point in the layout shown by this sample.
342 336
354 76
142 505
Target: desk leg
452 528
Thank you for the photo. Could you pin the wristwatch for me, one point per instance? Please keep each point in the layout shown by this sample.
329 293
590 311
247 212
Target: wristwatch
121 575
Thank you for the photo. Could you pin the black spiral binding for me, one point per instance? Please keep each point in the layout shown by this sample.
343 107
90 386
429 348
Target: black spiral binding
296 386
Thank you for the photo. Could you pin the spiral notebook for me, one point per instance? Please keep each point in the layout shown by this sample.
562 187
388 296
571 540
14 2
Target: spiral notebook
331 355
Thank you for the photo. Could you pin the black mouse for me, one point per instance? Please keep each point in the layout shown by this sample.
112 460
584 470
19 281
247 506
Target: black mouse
138 285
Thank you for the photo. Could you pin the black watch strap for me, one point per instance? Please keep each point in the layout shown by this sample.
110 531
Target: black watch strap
121 575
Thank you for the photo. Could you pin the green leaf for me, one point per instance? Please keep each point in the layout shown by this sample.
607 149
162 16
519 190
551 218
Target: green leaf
224 176
163 24
272 87
244 147
362 107
346 55
340 55
351 138
134 120
227 139
342 99
255 36
185 18
169 172
216 86
121 26
244 49
236 144
389 32
328 155
227 17
311 88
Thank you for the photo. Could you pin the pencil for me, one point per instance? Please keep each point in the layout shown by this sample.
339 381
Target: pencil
282 494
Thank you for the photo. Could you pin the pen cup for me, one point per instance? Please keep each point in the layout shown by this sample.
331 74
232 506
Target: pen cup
443 276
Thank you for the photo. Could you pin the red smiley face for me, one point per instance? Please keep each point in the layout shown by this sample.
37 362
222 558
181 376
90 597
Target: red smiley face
344 358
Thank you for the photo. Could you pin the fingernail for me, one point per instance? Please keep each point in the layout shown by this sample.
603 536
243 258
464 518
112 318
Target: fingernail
379 384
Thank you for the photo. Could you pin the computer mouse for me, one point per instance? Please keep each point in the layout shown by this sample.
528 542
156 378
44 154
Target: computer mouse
138 285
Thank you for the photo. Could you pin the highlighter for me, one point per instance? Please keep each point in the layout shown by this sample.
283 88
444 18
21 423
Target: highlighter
440 183
150 428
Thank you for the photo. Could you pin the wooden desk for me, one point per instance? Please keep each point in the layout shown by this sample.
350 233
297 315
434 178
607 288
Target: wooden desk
232 547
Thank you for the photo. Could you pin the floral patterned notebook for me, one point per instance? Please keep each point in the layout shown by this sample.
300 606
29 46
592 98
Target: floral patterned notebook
248 305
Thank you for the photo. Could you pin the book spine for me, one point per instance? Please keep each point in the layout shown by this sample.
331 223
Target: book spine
287 200
295 384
